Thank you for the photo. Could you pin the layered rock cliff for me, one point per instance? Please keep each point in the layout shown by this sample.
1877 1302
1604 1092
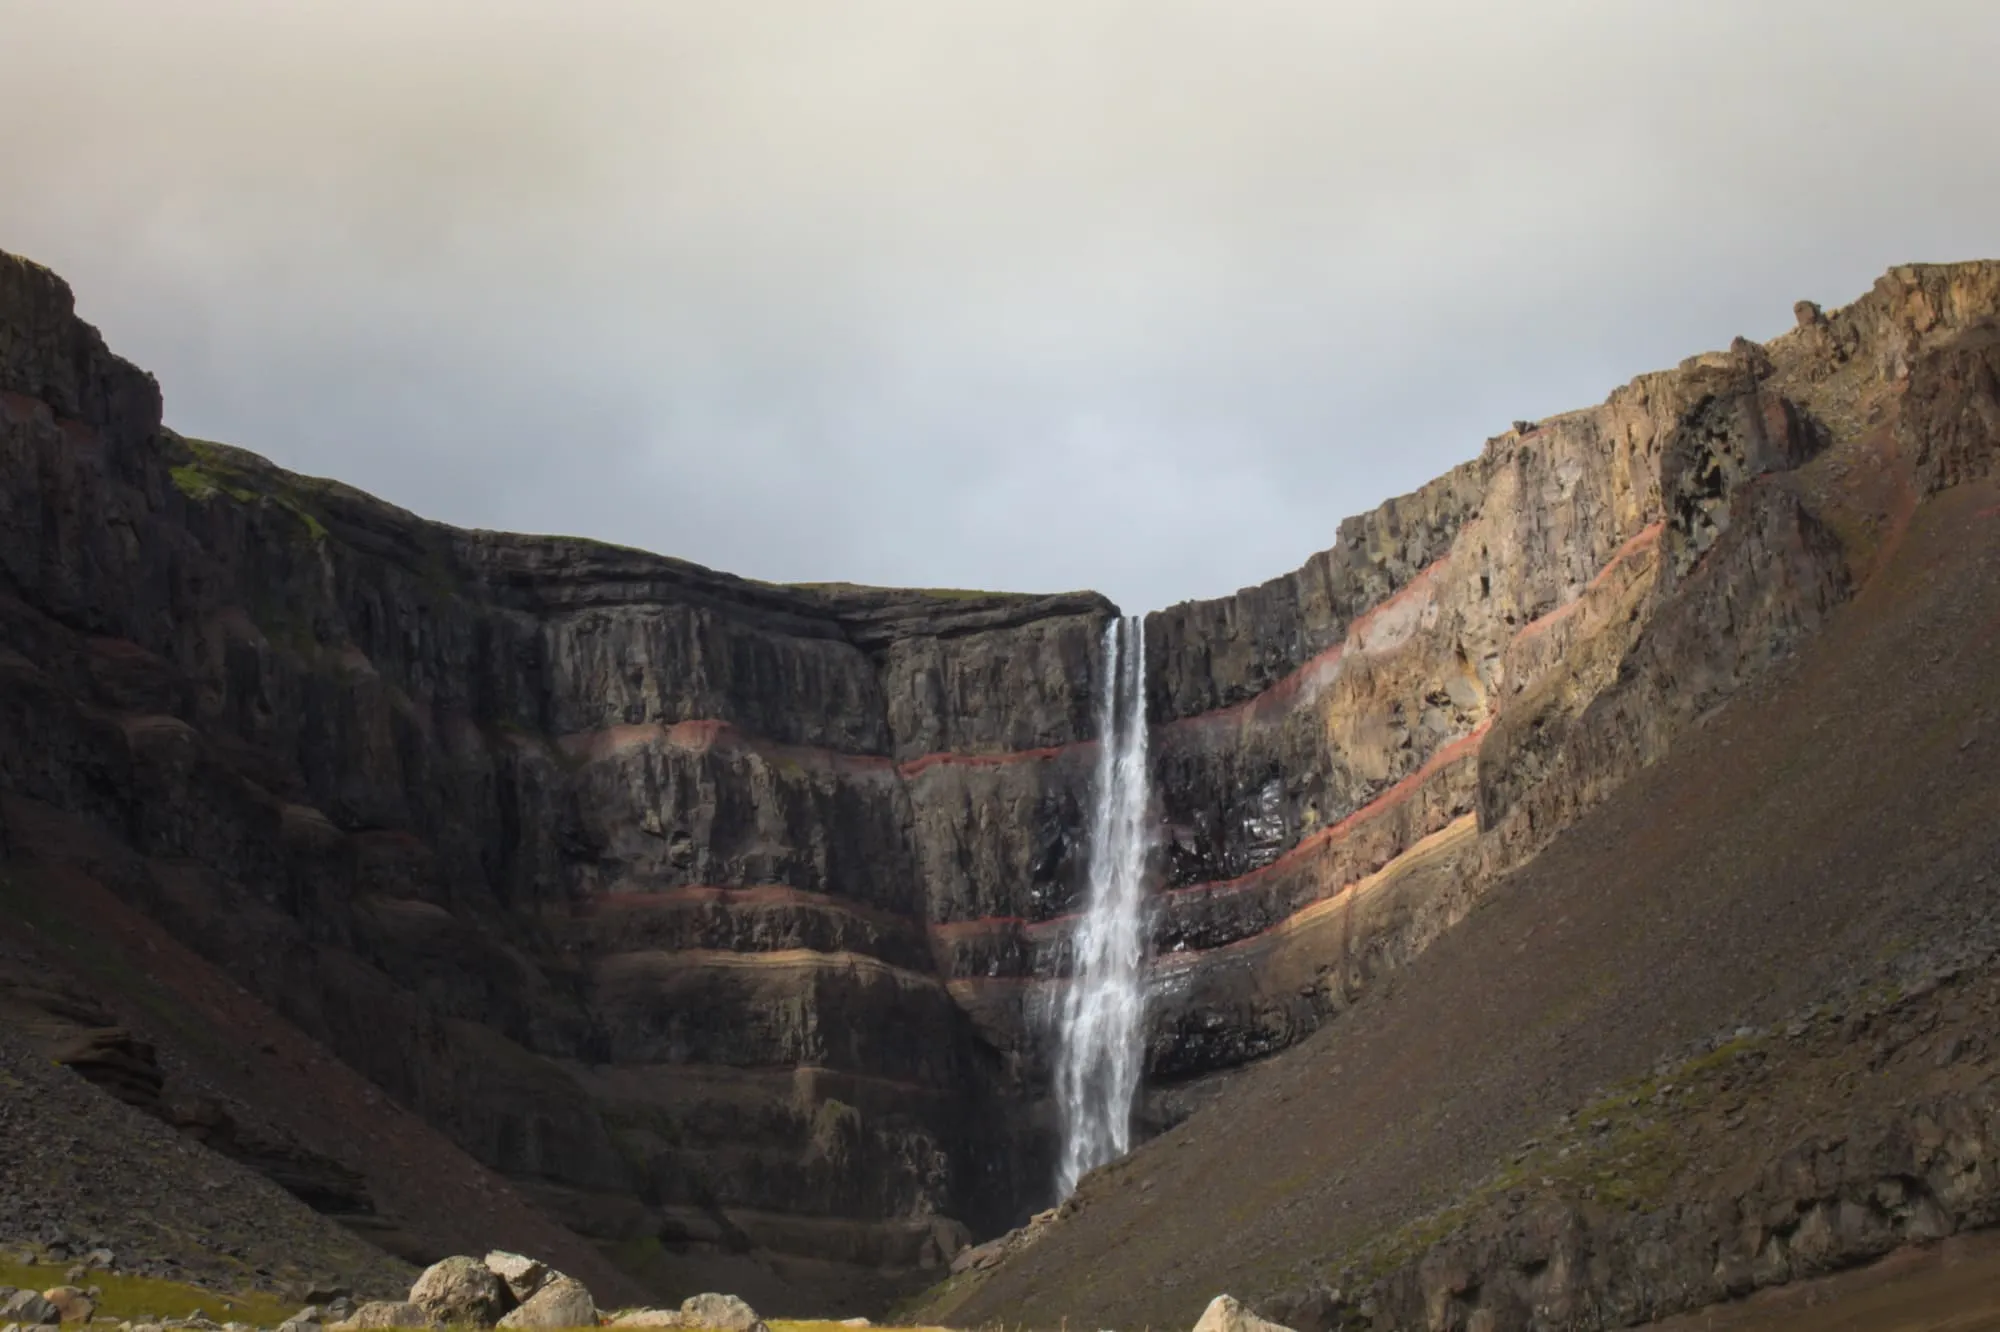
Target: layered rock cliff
723 917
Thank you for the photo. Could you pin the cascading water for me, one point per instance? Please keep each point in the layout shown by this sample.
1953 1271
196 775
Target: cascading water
1100 1023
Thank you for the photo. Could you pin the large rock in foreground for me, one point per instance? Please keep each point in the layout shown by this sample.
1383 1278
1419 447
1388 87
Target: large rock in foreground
563 1302
523 1276
461 1290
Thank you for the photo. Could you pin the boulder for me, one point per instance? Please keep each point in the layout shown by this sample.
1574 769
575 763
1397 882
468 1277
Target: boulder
719 1313
563 1302
72 1305
29 1309
523 1275
1225 1313
461 1290
650 1318
384 1313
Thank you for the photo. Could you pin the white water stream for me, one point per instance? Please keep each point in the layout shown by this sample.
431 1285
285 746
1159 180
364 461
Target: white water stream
1100 1031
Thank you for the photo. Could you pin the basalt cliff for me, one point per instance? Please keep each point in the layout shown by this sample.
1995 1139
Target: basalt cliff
712 925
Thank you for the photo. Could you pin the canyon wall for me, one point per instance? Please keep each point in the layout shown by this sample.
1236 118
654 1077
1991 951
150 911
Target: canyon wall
722 916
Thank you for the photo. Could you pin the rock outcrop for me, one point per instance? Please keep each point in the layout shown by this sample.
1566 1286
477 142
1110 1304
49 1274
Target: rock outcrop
1225 1313
723 917
1689 996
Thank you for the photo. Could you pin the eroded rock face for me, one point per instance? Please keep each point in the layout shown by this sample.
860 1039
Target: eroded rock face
729 914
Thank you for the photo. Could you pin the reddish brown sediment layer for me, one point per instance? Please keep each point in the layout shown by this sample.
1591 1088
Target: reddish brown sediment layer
1466 746
1303 682
1644 541
1309 915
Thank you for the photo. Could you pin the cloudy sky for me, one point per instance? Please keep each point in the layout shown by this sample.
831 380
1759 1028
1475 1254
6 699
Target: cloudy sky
1140 295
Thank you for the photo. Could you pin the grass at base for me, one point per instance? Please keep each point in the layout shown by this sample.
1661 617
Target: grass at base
150 1299
133 1298
829 1325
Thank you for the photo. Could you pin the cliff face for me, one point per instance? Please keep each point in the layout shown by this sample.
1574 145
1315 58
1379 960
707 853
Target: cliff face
721 916
621 871
1716 831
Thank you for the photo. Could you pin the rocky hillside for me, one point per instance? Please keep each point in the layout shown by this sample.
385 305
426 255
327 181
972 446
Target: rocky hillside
721 918
1719 1013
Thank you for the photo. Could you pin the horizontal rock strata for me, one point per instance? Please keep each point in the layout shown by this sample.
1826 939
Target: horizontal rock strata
726 915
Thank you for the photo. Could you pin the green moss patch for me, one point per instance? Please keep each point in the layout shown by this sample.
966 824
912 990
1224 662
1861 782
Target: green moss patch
135 1299
217 471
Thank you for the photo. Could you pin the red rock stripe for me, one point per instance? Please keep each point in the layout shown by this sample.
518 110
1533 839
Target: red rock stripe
1273 699
913 767
1193 957
1457 750
1646 539
1282 693
747 895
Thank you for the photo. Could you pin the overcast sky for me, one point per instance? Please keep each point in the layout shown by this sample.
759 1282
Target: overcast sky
1137 295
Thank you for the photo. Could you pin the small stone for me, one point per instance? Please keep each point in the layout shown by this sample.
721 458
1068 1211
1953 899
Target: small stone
719 1313
30 1309
649 1318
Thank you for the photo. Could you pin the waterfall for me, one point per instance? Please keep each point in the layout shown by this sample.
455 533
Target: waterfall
1100 1033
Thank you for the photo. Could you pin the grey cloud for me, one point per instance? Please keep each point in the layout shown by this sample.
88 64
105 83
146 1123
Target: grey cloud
1025 294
